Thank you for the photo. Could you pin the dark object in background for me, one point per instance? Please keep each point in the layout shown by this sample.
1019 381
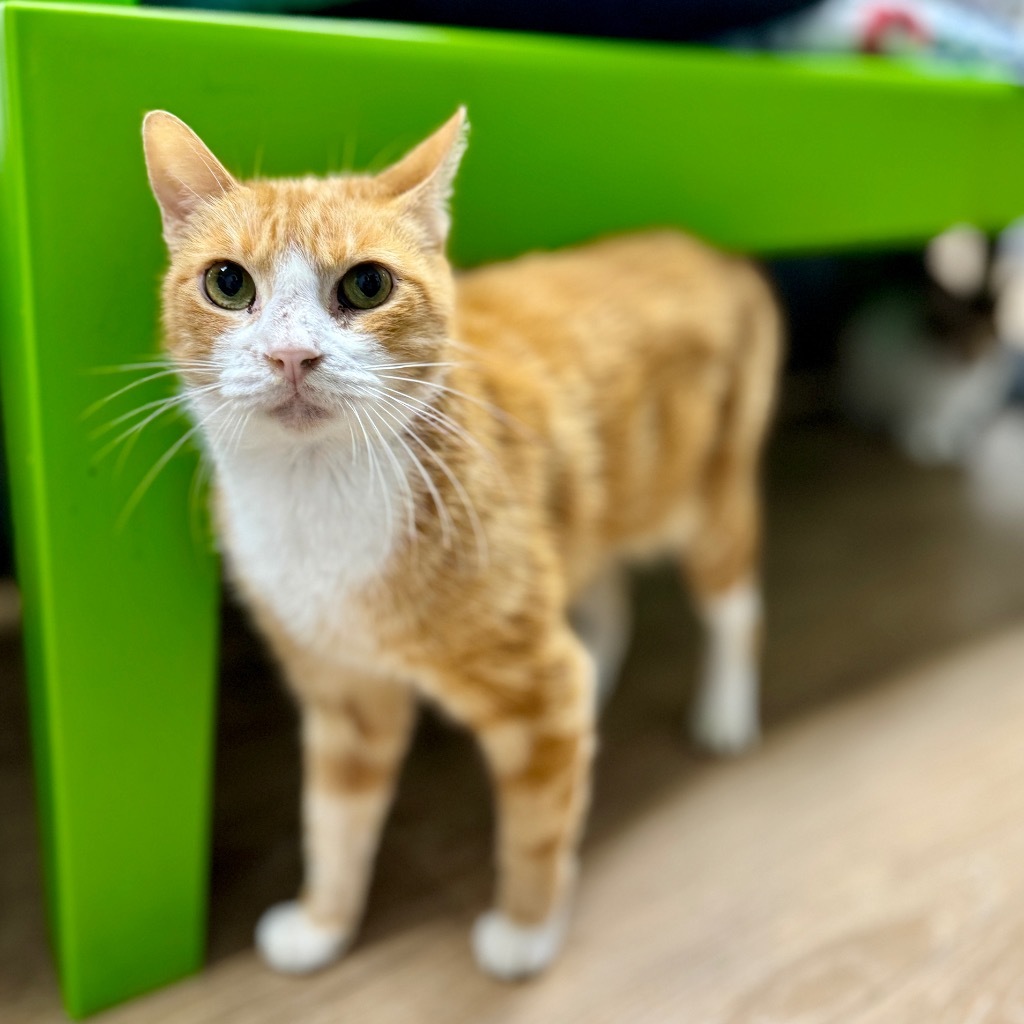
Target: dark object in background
6 533
819 294
689 20
639 19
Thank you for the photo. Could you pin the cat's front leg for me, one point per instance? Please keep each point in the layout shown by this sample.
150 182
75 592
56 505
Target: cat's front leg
535 724
353 743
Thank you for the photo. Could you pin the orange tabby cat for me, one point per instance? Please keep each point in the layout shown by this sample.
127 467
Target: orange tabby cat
426 485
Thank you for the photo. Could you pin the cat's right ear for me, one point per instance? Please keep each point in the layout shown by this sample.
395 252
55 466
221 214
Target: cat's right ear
183 173
423 178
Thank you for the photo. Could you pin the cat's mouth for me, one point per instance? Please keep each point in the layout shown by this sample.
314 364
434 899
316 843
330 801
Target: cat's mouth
299 413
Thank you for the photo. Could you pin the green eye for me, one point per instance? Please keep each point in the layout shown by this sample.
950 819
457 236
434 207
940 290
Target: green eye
364 286
229 286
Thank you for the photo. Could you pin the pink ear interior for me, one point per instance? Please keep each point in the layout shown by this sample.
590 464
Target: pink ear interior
424 176
183 172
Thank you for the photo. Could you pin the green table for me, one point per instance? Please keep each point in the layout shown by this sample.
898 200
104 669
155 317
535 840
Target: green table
570 138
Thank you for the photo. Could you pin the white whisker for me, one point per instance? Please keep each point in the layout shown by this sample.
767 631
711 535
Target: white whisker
400 476
375 472
158 407
132 433
168 363
147 481
432 414
224 428
200 478
471 512
236 436
410 366
497 413
445 423
447 523
99 403
168 402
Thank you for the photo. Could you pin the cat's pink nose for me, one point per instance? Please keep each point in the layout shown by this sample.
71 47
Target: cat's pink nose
293 363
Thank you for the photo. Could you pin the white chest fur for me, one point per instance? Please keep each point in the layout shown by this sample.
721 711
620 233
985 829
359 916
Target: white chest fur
308 528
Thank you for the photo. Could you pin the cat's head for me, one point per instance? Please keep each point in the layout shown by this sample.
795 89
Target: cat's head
290 303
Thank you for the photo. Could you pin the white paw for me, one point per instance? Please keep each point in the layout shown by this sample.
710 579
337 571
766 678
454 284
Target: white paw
291 941
726 718
510 951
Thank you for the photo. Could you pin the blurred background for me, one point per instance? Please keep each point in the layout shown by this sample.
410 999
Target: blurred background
865 864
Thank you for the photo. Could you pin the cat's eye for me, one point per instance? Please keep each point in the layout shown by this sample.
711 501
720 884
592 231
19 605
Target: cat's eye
229 286
364 286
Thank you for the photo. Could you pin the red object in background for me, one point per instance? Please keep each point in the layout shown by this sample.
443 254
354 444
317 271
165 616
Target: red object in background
884 24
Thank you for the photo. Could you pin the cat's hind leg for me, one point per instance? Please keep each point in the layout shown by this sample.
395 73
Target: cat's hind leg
726 709
722 556
721 564
601 617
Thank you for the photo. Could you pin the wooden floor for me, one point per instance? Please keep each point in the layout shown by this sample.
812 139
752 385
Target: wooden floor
866 864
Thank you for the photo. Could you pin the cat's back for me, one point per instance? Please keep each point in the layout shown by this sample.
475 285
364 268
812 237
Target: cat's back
610 302
623 355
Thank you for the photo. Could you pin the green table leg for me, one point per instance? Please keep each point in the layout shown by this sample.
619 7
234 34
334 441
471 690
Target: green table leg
570 139
120 617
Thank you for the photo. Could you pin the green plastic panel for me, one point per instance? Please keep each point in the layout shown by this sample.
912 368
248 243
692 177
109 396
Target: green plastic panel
570 138
120 603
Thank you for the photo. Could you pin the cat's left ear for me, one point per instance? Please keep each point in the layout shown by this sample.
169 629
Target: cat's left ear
423 178
183 172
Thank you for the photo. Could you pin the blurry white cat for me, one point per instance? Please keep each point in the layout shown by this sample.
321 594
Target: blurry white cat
934 368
